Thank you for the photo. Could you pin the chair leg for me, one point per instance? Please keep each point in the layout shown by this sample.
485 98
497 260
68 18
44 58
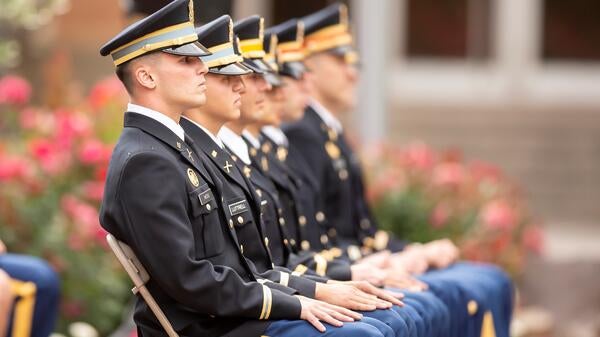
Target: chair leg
25 292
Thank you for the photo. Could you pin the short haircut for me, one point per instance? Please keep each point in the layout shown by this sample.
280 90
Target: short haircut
125 74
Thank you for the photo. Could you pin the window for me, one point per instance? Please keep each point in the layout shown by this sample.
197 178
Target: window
284 10
449 29
571 30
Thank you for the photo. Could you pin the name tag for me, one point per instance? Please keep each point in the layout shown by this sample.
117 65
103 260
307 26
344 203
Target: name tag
238 207
205 197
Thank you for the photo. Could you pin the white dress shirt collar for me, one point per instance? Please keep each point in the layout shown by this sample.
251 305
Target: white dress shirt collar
213 137
235 143
250 137
328 118
276 135
159 117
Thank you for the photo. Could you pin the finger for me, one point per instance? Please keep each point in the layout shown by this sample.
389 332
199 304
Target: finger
325 317
388 296
383 305
347 312
361 306
314 321
339 316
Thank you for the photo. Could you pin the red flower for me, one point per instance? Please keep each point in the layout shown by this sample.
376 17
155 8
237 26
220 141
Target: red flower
106 91
419 156
499 215
93 152
533 239
449 174
93 190
14 90
52 159
13 168
70 126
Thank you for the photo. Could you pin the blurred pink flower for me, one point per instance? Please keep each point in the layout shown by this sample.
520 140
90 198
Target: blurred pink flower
418 156
449 174
52 159
93 152
84 217
93 190
14 90
28 118
12 168
484 171
69 126
439 216
533 239
106 91
499 215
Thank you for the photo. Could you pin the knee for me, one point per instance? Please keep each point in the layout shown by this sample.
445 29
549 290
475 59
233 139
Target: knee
44 277
360 329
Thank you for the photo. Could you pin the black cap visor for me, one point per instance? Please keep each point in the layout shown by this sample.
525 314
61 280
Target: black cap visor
232 69
189 49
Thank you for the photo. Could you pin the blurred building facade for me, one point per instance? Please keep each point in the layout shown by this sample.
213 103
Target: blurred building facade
514 82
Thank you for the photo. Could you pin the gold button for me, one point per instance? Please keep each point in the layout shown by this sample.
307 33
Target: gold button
472 307
285 241
259 192
266 241
302 220
293 242
230 223
332 232
208 207
282 221
242 248
324 239
305 245
320 216
240 220
214 154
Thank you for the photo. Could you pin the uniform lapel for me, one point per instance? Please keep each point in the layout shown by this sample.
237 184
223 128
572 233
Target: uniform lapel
218 156
156 129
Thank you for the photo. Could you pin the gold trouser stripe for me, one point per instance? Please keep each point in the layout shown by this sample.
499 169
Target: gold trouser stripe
321 268
487 327
267 303
300 269
284 279
23 316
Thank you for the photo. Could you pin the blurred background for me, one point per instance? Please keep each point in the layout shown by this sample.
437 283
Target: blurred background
451 90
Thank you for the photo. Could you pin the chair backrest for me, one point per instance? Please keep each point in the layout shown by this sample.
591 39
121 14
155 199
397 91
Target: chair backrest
139 276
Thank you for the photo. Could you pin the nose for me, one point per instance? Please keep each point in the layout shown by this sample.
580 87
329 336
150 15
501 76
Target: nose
203 68
352 72
239 86
264 85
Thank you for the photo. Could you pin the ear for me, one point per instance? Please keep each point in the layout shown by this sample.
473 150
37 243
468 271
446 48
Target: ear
144 76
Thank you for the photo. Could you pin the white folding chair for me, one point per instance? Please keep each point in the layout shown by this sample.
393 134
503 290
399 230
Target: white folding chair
140 277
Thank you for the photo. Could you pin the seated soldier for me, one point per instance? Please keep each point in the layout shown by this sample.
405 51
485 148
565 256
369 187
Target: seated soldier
23 268
160 200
